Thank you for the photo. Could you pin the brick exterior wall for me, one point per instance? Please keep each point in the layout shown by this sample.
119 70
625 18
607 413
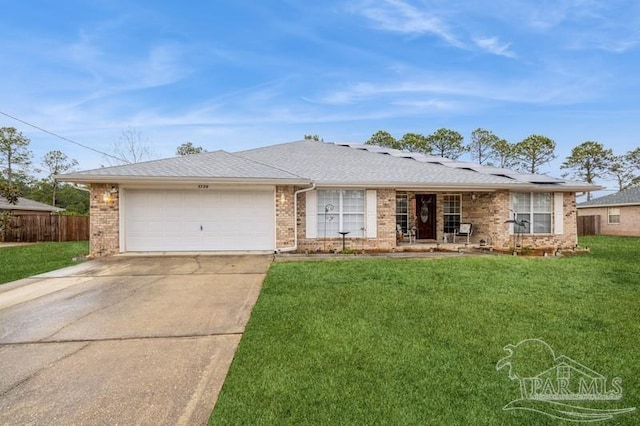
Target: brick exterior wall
629 220
487 211
104 221
569 237
285 220
386 209
385 222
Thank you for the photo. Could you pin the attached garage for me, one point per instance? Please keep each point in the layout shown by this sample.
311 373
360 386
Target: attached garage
155 220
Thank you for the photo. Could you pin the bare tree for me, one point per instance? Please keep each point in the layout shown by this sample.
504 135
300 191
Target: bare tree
129 148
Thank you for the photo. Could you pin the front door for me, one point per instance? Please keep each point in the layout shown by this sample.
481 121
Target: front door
426 216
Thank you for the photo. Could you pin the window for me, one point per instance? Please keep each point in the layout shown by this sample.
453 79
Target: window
402 211
452 212
340 210
536 209
614 215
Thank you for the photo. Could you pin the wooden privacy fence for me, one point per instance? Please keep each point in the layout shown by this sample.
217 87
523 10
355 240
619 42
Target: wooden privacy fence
35 228
588 225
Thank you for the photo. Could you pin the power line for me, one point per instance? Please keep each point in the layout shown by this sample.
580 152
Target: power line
63 138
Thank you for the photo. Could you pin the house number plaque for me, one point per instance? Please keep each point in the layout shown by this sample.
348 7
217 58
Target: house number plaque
203 186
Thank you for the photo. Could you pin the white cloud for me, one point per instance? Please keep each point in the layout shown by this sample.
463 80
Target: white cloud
618 44
495 46
401 17
611 26
152 66
544 88
540 15
430 104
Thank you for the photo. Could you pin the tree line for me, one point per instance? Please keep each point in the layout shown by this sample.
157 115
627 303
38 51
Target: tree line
18 170
17 175
587 162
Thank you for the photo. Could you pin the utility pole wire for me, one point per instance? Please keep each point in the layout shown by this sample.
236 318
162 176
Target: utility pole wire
65 139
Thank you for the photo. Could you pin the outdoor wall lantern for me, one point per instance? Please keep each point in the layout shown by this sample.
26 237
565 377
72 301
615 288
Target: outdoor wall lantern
107 197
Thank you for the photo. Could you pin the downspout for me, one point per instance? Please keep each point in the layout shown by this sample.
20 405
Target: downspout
295 220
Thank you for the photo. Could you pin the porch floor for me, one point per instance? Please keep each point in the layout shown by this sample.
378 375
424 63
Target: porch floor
433 245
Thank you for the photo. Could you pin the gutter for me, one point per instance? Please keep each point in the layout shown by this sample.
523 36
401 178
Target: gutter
81 188
177 180
295 220
462 187
606 205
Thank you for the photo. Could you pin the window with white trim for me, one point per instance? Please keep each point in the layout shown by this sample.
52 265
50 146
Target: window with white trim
452 204
402 211
340 210
614 215
535 209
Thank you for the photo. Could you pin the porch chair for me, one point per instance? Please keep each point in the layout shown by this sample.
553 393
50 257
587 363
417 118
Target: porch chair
464 230
410 233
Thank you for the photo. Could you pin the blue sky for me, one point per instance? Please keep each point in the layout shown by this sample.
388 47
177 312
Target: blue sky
240 74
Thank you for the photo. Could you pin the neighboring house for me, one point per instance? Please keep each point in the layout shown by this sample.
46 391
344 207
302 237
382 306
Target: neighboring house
300 195
619 213
25 206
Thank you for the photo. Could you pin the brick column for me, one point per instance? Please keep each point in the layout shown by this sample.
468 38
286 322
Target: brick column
104 220
386 211
285 221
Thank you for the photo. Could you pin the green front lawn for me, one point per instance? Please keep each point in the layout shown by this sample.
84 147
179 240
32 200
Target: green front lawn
413 341
24 261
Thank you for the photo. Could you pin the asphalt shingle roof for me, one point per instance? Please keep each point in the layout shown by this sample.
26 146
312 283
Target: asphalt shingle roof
328 164
217 164
629 196
27 204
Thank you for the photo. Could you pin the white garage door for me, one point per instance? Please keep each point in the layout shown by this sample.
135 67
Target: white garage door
163 220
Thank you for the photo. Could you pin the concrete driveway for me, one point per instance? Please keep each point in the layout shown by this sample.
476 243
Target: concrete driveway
124 340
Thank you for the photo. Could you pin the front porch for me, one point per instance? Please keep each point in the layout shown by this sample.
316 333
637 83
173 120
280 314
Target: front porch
460 245
435 218
427 221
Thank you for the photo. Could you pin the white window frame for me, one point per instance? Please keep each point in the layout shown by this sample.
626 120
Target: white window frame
339 212
444 212
612 212
404 195
532 212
